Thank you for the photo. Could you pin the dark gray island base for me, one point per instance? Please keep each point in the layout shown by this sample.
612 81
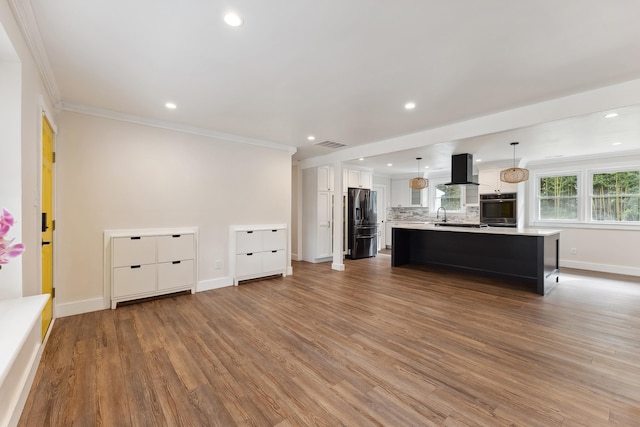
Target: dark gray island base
528 255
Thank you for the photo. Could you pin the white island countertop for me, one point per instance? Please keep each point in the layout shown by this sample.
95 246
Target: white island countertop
514 231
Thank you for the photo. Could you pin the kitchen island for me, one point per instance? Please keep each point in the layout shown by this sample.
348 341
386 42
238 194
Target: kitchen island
527 254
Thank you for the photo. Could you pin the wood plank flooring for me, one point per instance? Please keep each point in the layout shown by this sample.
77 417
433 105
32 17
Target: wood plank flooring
366 347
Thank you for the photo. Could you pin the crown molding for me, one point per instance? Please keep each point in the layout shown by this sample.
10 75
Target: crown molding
177 127
26 20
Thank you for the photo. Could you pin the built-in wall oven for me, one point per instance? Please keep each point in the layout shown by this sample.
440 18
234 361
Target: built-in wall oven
499 210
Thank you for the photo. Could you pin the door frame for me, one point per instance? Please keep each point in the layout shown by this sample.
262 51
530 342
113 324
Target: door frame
44 113
382 216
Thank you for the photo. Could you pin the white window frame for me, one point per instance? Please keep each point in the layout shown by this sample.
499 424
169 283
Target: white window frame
536 197
584 170
589 194
433 183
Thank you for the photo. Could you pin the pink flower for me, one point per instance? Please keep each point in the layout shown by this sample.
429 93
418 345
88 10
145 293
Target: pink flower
7 250
6 222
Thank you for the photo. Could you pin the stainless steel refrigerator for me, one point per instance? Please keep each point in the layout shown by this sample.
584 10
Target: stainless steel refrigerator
363 231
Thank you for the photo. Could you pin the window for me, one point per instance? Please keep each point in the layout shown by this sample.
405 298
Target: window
448 197
615 196
416 197
558 197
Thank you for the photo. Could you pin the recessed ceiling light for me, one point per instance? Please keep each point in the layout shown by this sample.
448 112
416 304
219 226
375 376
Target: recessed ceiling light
410 105
426 167
311 138
361 158
171 105
611 115
478 160
617 143
233 19
389 164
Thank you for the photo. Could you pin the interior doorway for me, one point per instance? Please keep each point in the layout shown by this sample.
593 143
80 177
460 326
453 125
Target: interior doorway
381 211
47 222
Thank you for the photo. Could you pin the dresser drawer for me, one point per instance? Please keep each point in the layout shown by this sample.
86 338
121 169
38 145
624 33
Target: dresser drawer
134 280
274 239
129 251
248 241
175 274
176 247
275 260
249 264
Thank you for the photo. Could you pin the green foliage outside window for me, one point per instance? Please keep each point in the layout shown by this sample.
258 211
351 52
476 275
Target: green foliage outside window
449 197
559 197
616 196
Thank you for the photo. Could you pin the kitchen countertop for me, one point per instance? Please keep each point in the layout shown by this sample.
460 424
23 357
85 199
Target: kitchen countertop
519 231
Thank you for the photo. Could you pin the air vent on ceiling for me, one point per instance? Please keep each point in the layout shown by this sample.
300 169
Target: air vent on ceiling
330 144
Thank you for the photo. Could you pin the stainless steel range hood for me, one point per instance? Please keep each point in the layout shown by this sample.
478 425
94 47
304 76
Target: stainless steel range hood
462 170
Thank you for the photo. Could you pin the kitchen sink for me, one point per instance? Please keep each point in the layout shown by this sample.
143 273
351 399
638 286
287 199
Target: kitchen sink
461 224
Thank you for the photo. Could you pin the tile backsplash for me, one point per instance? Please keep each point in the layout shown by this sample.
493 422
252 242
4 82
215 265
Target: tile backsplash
472 214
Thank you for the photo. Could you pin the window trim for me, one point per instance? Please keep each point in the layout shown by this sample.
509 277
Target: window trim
536 197
585 175
589 194
433 184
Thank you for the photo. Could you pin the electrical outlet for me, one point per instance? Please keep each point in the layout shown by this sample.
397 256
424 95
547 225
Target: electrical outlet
573 251
218 264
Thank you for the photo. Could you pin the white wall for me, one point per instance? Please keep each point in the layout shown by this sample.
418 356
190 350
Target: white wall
117 175
10 169
22 98
598 247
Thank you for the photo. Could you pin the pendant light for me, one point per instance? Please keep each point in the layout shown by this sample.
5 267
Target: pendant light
514 175
418 183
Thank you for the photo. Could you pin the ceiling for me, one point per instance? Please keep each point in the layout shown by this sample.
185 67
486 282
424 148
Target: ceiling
578 137
339 70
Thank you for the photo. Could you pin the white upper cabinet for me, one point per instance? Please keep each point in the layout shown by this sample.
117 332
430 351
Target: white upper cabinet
404 196
357 179
489 180
325 178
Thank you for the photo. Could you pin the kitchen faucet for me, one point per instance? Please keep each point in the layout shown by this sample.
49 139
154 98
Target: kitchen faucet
438 213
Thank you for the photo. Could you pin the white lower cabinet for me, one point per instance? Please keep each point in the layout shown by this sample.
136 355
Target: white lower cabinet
175 274
134 280
257 251
146 263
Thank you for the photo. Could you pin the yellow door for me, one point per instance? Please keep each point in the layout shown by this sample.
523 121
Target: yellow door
47 222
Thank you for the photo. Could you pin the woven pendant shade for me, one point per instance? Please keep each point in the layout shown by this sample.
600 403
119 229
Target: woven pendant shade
514 175
418 183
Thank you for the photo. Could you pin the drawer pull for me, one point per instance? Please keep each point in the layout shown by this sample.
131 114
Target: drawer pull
274 231
273 252
249 254
135 266
175 235
175 262
249 232
135 238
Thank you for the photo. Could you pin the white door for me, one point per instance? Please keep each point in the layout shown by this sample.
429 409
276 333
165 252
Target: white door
325 229
381 210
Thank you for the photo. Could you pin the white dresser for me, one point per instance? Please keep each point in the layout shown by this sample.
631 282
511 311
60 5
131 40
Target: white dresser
257 251
150 262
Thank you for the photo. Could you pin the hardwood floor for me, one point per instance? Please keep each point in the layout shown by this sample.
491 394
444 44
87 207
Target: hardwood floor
369 346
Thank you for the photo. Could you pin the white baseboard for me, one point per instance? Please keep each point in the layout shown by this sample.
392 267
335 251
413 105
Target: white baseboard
603 268
207 285
296 257
289 271
97 304
79 307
